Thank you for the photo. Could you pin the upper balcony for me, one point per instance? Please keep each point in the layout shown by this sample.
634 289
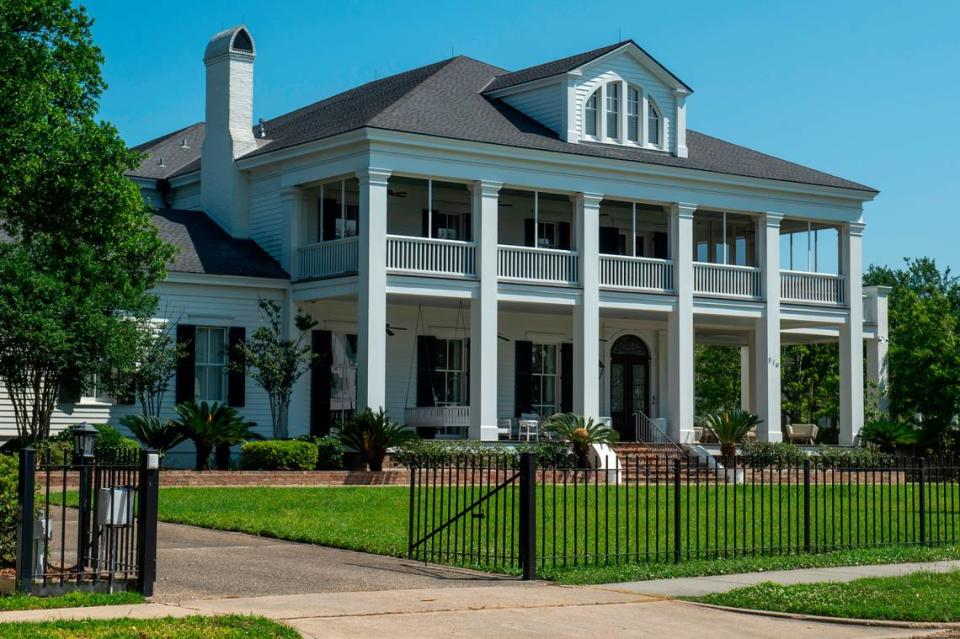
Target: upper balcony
430 232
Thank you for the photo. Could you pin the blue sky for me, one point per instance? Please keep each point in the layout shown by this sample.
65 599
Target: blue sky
869 90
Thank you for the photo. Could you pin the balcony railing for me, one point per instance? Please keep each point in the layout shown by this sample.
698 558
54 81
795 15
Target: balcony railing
726 280
429 256
449 421
526 264
818 288
325 259
636 273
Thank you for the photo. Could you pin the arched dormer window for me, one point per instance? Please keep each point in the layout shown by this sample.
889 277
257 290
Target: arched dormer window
613 110
654 135
591 115
633 114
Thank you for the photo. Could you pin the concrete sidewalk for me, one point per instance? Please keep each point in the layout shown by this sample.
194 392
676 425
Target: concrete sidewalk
697 586
535 610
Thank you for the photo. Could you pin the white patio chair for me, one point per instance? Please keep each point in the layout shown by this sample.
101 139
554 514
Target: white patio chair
505 428
802 433
528 426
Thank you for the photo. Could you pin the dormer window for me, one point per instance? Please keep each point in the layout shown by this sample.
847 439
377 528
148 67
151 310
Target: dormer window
633 115
653 124
613 110
591 114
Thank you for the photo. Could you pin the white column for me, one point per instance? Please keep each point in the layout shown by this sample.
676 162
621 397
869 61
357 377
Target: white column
483 315
746 378
372 291
877 371
663 380
586 314
767 351
851 335
291 205
680 362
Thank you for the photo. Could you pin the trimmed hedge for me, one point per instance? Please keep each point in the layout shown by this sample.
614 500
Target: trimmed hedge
9 478
330 453
277 454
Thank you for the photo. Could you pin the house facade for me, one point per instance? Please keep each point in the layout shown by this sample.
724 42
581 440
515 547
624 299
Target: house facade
478 245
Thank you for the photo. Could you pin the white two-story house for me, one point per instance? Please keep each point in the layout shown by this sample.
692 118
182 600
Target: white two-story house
479 244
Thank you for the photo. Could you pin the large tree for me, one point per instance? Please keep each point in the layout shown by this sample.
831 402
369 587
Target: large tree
717 378
79 251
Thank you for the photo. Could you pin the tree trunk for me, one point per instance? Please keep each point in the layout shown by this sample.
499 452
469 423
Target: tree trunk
222 456
203 455
728 450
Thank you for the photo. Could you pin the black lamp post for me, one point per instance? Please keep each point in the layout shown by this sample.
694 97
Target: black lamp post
84 445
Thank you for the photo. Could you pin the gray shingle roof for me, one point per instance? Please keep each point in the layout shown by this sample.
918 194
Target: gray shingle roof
205 248
170 147
446 99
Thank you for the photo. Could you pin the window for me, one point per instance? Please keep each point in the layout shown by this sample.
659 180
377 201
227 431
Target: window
653 124
544 380
211 364
450 375
633 115
590 114
339 210
343 376
448 226
724 238
613 110
547 235
93 391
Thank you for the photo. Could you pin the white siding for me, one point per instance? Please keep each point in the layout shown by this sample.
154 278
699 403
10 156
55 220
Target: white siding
543 104
187 197
624 67
266 215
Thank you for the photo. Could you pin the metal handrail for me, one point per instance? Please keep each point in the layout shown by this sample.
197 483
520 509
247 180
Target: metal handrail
651 427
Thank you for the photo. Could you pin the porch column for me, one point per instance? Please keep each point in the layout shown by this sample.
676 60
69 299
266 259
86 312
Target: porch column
291 203
767 351
747 378
483 315
851 334
680 362
877 371
586 314
372 291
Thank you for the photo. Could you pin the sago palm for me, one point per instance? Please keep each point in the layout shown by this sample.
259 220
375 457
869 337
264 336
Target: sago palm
152 433
580 432
208 425
889 435
371 434
730 427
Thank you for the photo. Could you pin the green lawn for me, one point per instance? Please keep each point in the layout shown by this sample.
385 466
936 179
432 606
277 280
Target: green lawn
227 627
71 600
917 597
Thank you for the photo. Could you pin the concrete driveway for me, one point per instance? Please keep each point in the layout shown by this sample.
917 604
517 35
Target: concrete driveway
196 563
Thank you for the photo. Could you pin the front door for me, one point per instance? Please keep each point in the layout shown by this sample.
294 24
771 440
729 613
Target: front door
629 384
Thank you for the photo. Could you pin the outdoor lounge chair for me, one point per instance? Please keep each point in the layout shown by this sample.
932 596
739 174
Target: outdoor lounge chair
802 433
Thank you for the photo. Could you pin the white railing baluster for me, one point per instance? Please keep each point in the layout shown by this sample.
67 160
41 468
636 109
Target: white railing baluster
430 256
726 280
818 288
640 273
524 263
323 259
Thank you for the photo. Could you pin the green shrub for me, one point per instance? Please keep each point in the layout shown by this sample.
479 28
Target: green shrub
330 453
278 454
549 454
109 439
832 456
760 454
372 434
9 476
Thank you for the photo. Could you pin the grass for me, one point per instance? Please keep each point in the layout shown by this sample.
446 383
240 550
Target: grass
922 596
226 627
71 600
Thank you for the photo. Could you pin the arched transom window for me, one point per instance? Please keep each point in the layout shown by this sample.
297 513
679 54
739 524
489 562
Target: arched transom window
620 112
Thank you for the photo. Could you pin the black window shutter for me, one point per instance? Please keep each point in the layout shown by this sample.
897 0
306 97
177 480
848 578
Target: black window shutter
660 249
566 378
70 388
609 238
321 380
466 368
236 373
528 232
425 223
426 366
187 336
563 236
523 363
331 212
468 227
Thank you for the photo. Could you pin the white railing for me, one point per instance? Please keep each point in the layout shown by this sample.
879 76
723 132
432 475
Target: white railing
450 421
335 257
726 280
431 256
819 288
640 273
524 263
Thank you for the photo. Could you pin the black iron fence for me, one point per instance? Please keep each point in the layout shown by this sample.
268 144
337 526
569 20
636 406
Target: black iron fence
511 513
87 523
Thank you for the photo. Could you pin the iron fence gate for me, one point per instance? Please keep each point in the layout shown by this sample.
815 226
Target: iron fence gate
509 513
87 523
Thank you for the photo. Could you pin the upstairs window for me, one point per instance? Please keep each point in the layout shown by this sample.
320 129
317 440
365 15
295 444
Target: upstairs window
633 115
591 114
339 210
613 110
653 125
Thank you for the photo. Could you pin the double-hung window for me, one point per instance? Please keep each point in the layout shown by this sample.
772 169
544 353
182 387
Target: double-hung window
450 375
613 110
591 113
633 114
547 235
653 125
211 365
544 378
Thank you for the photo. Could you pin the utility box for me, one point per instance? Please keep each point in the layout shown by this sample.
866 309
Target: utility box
115 506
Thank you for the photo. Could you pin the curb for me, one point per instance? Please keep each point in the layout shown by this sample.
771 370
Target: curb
847 621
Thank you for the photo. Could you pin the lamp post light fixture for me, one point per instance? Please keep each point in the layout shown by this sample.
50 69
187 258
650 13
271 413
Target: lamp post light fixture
84 446
84 441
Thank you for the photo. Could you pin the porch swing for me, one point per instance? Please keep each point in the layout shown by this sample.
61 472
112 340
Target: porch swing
447 421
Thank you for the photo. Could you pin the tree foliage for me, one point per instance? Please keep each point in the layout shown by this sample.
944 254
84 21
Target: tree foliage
810 384
717 378
78 250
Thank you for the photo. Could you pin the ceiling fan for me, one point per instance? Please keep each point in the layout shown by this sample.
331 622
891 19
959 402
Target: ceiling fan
391 329
393 193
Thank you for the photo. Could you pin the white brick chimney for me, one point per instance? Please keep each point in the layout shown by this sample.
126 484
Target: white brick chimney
229 133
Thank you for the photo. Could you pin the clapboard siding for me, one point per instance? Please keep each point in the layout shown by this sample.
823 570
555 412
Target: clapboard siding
187 197
266 215
543 104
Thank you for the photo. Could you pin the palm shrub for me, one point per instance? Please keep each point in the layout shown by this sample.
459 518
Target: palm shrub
152 433
371 434
580 432
730 427
888 435
209 425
